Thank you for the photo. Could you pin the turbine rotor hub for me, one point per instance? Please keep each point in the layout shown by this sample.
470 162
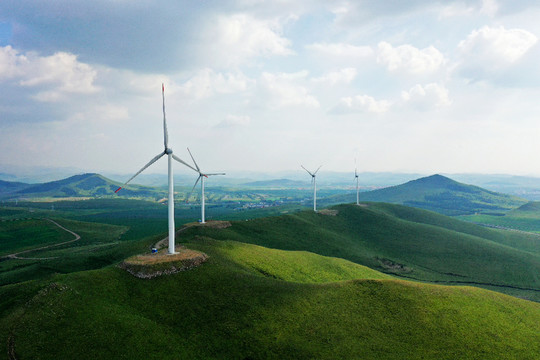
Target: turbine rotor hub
168 151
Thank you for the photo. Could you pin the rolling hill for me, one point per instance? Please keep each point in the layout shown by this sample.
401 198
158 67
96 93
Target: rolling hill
407 242
530 210
7 187
524 218
438 193
250 302
334 284
85 185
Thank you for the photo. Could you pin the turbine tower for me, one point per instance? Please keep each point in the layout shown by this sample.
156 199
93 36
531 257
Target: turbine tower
167 151
201 177
356 177
314 182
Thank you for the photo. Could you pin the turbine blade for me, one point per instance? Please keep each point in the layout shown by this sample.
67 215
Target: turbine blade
156 158
317 170
183 162
306 170
192 158
193 188
212 174
165 132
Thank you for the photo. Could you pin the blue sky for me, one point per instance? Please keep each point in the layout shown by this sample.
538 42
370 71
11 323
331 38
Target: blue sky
416 86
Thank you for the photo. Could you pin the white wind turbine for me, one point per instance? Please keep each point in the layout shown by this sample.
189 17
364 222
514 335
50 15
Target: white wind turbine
356 177
314 182
167 151
201 177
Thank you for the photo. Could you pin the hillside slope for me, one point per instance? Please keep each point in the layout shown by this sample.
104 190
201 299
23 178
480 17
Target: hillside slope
408 242
85 185
441 194
227 309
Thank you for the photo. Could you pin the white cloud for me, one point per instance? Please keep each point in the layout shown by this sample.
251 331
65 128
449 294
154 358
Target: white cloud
495 47
54 76
409 58
335 77
11 63
491 52
237 39
426 97
361 103
341 50
207 82
285 89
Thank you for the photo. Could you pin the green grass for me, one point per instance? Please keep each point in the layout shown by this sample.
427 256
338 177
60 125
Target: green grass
100 245
19 235
295 266
524 218
228 308
407 242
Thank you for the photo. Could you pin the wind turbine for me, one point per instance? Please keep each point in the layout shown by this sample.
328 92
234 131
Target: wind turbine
167 151
314 182
356 177
201 177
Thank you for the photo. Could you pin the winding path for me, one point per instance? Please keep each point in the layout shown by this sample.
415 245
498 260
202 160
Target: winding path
16 255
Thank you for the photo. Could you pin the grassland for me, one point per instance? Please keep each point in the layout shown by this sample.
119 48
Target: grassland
296 286
281 306
524 218
407 242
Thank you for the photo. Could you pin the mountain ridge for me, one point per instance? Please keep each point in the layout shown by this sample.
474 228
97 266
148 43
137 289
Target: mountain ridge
438 193
81 185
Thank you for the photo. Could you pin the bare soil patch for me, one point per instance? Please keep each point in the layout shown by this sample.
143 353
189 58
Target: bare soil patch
394 267
328 212
215 224
148 266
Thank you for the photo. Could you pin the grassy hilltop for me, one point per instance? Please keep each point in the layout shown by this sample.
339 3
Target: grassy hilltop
408 242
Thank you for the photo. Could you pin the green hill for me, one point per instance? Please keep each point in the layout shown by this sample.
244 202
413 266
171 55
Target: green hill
249 302
530 210
524 218
85 185
7 187
441 194
408 242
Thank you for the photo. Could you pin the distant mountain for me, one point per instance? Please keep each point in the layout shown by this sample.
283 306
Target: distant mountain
277 183
7 187
85 185
443 195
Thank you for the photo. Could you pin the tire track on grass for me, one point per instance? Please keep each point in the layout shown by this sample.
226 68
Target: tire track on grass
16 255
